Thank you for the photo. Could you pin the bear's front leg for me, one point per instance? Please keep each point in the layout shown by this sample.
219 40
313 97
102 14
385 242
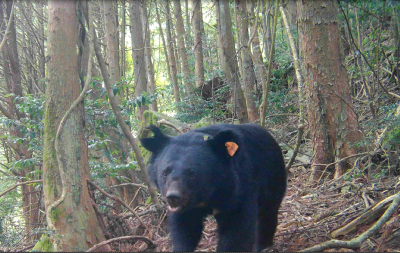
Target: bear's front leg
186 229
237 229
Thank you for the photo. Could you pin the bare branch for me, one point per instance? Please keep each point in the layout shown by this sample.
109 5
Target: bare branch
356 242
19 184
120 201
167 123
8 27
150 243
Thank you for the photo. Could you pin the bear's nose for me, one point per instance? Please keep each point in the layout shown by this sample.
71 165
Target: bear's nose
173 198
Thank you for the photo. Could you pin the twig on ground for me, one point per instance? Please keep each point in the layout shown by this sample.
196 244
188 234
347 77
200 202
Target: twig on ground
150 243
120 201
356 242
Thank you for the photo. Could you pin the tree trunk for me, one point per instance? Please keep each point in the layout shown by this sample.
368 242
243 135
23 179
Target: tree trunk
164 43
42 55
138 51
198 43
187 35
75 220
228 59
147 55
123 57
171 54
181 42
12 76
110 24
331 116
266 24
249 77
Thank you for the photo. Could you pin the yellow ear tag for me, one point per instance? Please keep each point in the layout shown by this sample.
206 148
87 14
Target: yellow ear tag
231 147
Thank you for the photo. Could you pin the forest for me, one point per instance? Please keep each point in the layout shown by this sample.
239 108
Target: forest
81 81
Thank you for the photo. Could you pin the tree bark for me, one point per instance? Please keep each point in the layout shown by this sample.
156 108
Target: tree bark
138 51
171 54
110 24
164 43
147 55
229 60
181 42
249 77
12 76
333 123
198 43
77 227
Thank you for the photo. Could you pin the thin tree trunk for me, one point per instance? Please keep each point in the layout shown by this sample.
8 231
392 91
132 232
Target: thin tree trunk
163 42
138 51
249 77
171 53
229 60
121 121
123 30
12 76
188 32
181 42
198 43
266 24
147 55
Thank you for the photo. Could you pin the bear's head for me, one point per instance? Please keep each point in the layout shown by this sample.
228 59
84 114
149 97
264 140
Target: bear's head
192 170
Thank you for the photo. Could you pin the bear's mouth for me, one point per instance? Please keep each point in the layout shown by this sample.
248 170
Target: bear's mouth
174 209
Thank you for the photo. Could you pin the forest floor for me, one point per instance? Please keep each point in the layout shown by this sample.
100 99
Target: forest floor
310 214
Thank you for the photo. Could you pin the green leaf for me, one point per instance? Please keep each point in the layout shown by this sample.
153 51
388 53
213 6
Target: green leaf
148 201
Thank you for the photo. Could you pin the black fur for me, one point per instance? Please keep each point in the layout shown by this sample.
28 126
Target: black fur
244 191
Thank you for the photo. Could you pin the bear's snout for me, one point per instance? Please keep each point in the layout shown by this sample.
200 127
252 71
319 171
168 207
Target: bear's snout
176 200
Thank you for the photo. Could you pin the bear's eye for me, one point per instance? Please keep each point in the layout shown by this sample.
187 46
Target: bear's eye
192 174
166 172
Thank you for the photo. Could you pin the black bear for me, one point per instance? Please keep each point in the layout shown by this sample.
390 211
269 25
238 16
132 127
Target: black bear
235 172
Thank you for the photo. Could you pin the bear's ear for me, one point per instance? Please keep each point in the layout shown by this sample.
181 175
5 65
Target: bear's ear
156 143
226 141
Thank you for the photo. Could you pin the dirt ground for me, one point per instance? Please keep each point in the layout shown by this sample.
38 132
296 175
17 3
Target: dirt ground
310 214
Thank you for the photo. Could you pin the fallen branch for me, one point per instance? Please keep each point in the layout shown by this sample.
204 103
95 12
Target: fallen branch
341 160
129 184
369 215
167 123
356 242
19 184
150 243
120 201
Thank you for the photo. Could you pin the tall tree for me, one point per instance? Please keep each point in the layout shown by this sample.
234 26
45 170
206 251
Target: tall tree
228 59
331 116
119 143
198 42
147 55
171 54
111 29
138 51
249 78
181 42
12 76
75 221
